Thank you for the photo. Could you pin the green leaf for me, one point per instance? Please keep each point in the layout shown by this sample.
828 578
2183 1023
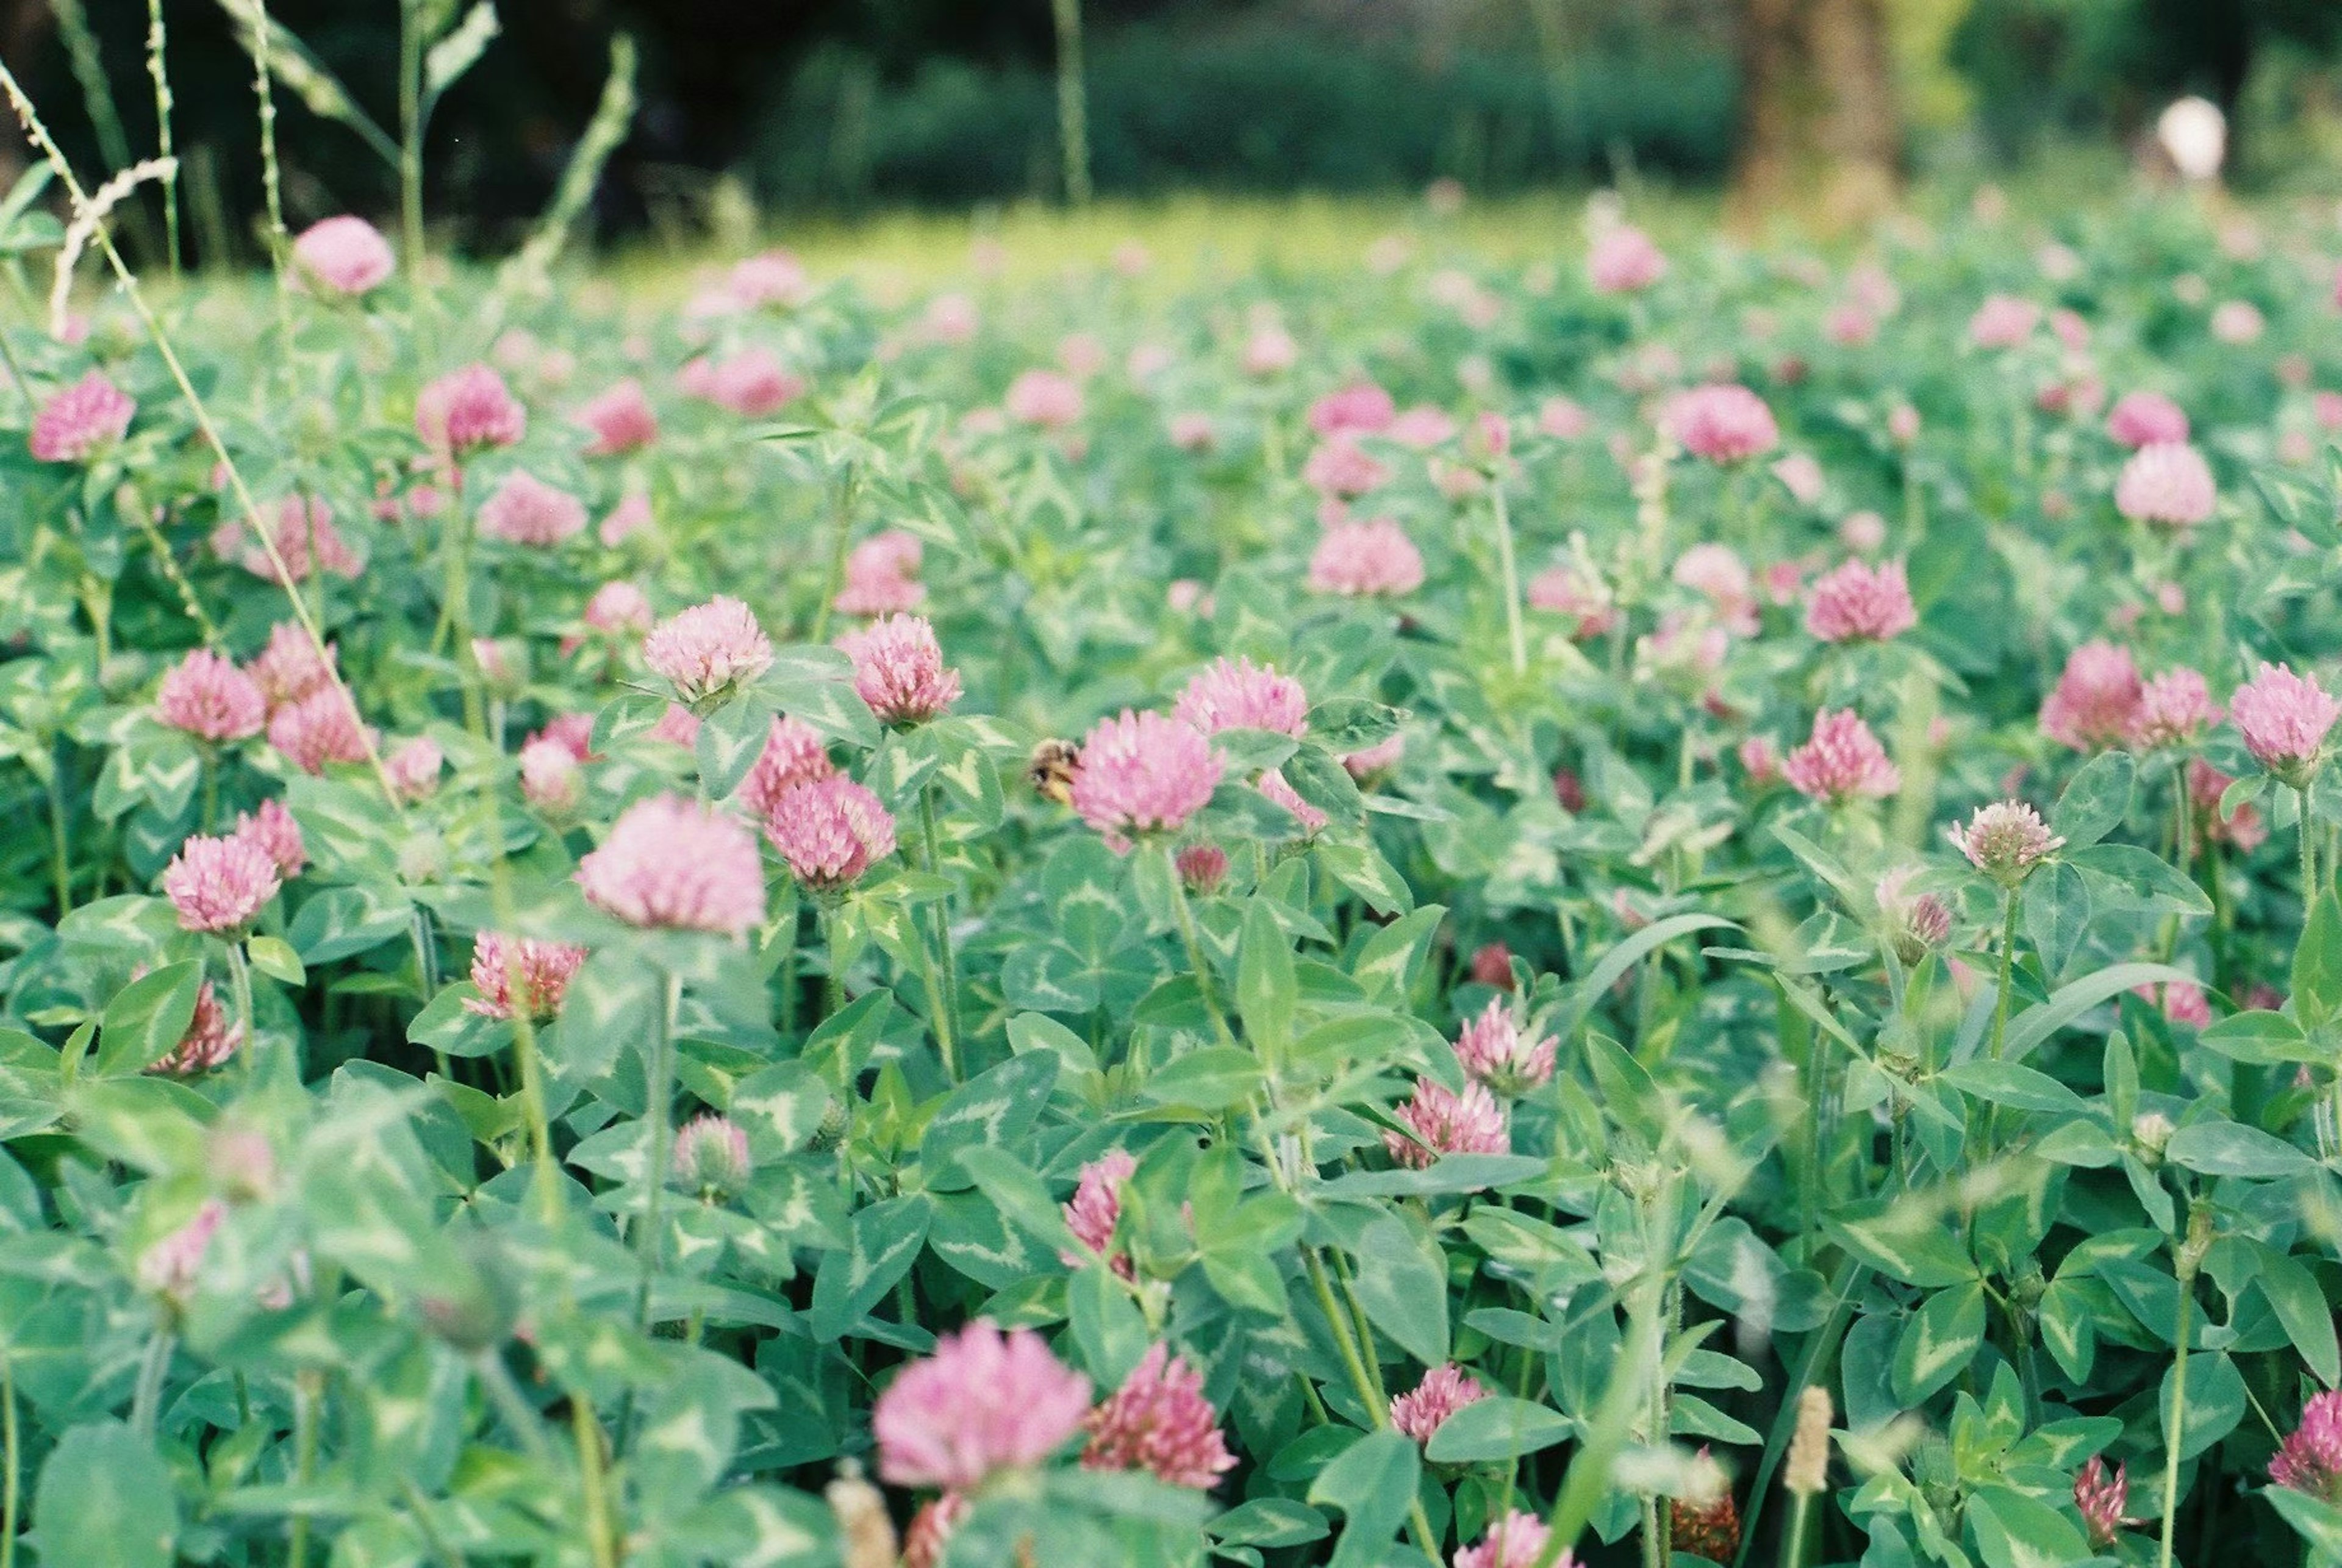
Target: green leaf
1585 993
1939 1339
730 741
1402 1282
2263 1038
1372 1482
2215 1404
2301 1306
994 1108
2057 908
2217 1148
1269 1521
1107 1324
1499 1427
1267 991
2015 1531
449 1026
2318 962
2094 804
147 1018
2029 1028
884 1243
1907 1241
106 1500
1211 1078
785 1103
2010 1083
2132 878
274 957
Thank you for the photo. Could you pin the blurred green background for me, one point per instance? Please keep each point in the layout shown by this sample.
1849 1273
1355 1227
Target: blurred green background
802 108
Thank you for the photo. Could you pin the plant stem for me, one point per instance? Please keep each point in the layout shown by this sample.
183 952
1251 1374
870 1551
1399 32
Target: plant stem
410 146
1793 1544
305 1458
146 1402
155 38
833 981
1512 575
841 540
2007 969
661 1111
592 1480
2179 1416
1073 108
60 839
943 988
10 1485
239 979
1367 1385
2308 859
272 179
1196 953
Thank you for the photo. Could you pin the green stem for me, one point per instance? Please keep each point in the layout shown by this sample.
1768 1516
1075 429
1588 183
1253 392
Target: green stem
1514 630
661 1111
410 144
527 1424
239 979
1793 1545
1073 109
2308 859
593 1481
60 835
942 979
1367 1385
833 981
10 1485
146 1404
2179 1416
155 38
1196 953
2007 969
305 1458
841 539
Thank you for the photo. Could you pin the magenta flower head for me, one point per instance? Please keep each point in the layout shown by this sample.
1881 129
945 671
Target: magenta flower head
618 609
319 729
2006 840
520 976
1841 760
1496 1051
1047 398
1917 924
899 670
272 829
620 420
1339 467
674 864
2173 708
211 699
709 648
526 510
1361 408
1202 867
290 667
1423 1409
2103 1497
2146 419
2310 1460
2284 718
1096 1209
220 883
1237 693
1447 1123
1623 261
830 832
209 1041
793 754
1159 1421
1860 603
82 419
1727 423
752 383
984 1402
1142 773
550 777
882 576
1365 559
1518 1540
469 410
2168 484
2002 321
345 255
2096 699
711 1153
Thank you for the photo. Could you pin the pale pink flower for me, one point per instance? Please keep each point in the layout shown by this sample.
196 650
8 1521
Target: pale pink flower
1722 423
1142 773
219 883
1359 409
1423 1409
881 575
346 255
1863 531
1760 758
678 726
711 1153
271 828
1850 326
520 976
1842 761
1096 1209
319 729
1382 754
2327 408
983 1401
1717 574
1146 361
621 420
2310 1459
830 831
1496 1051
550 777
305 539
1047 398
793 754
1860 602
467 409
751 382
2238 322
1563 418
1203 867
1447 1123
171 1267
629 517
525 510
951 319
675 863
618 609
1421 427
1270 351
1237 693
1081 354
210 1038
1338 465
2146 419
2173 708
1273 785
899 670
2178 1002
1572 590
2168 483
1518 1540
2096 698
708 648
2006 840
2103 1499
2284 718
1159 1421
81 420
572 732
1623 261
2205 784
2002 321
1192 432
413 768
210 698
1903 424
1801 476
773 277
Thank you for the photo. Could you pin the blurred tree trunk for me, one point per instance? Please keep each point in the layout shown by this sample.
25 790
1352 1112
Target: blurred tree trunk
1820 134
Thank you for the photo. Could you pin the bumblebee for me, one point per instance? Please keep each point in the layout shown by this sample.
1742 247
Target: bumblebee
1051 770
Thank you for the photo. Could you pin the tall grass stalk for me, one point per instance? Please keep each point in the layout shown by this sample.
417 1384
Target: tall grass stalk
157 39
1073 100
88 63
